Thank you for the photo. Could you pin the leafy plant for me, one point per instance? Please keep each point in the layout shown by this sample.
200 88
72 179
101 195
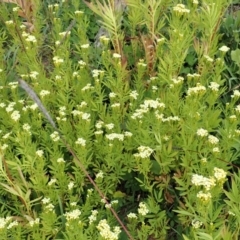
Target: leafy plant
131 137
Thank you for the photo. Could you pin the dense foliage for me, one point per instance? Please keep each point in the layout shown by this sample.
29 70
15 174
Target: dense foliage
119 119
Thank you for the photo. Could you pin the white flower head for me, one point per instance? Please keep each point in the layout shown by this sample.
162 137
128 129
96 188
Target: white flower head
236 94
31 38
99 132
57 60
214 86
216 150
52 181
12 224
99 124
195 2
143 210
112 95
106 232
143 152
81 141
212 139
199 180
73 214
60 160
39 153
34 74
115 105
209 59
86 116
220 174
196 224
134 94
128 134
46 200
99 175
237 108
181 8
113 136
199 89
44 93
202 132
26 127
70 185
87 87
55 136
34 222
205 197
224 49
116 55
82 63
15 115
78 12
10 22
132 215
85 46
109 126
93 216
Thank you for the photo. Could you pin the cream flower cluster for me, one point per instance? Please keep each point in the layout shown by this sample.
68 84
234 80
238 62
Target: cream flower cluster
34 222
193 76
207 183
93 216
143 210
10 106
97 72
224 49
202 132
143 152
209 59
211 139
99 174
236 94
49 207
196 224
205 197
146 106
219 176
81 141
113 136
32 74
39 153
178 81
62 114
181 8
13 85
214 86
74 214
15 115
55 136
199 89
132 215
57 60
44 93
5 221
168 119
134 94
87 87
105 230
28 37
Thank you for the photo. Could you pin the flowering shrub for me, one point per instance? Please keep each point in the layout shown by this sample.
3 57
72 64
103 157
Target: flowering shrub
125 138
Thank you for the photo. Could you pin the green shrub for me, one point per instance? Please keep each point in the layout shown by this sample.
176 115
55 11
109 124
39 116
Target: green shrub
141 111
